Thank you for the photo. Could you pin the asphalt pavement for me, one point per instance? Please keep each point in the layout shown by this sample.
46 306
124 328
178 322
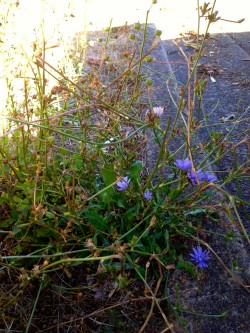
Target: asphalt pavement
225 110
225 107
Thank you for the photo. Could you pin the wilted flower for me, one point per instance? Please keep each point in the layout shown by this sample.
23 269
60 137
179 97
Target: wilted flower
196 176
209 177
184 164
123 184
200 256
148 195
158 111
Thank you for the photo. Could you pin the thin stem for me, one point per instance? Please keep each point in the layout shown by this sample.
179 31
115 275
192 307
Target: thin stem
161 153
80 260
141 52
79 138
35 304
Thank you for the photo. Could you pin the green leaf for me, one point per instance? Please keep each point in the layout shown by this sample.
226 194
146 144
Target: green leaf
44 232
50 215
79 164
4 198
182 232
120 204
186 265
136 168
27 187
123 280
174 194
16 199
139 245
63 151
108 173
195 212
109 176
14 214
97 220
24 209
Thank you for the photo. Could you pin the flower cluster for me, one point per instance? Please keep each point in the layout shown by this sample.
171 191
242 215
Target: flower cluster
200 256
123 184
196 176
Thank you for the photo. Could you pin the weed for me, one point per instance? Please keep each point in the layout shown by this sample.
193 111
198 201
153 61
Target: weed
77 196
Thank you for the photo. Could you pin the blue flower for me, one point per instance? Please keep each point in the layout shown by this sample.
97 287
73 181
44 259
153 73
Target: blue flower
209 177
148 195
123 184
200 256
184 164
158 111
196 176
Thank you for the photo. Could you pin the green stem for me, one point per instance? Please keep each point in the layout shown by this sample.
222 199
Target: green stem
141 53
241 224
35 304
79 260
161 153
101 191
77 138
223 314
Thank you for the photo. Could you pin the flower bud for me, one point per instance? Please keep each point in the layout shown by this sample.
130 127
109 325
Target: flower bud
148 59
149 82
137 26
158 33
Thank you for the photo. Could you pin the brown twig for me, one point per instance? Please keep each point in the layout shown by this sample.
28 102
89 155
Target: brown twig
152 305
97 312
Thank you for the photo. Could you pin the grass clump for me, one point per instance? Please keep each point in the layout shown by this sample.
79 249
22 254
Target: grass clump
83 213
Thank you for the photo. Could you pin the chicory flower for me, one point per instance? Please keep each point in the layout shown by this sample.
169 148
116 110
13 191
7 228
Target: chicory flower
209 177
184 164
158 110
200 256
123 184
148 195
196 176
